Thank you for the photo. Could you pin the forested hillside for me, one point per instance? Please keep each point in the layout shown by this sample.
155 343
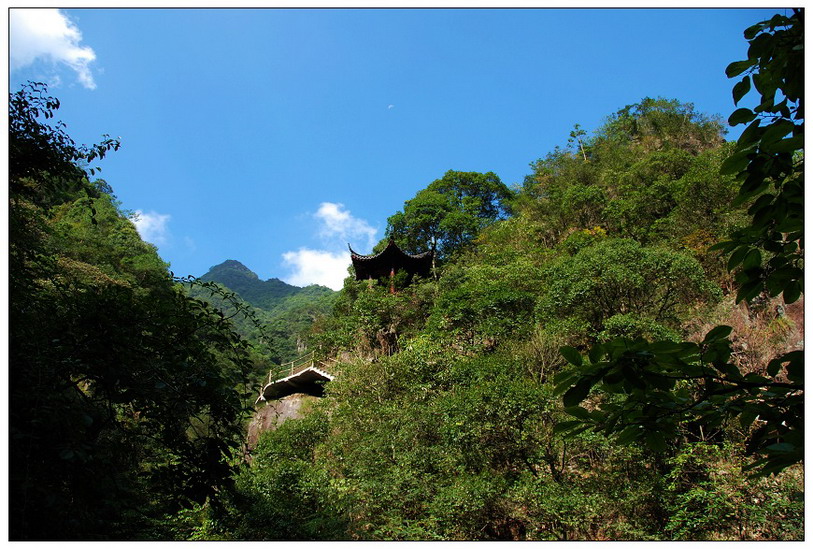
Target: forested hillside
610 350
271 295
447 425
585 363
126 397
281 314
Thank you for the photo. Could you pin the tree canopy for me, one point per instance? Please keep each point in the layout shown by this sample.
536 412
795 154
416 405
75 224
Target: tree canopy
449 213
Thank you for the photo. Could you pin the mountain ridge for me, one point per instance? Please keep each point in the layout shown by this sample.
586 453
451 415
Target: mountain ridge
264 294
286 312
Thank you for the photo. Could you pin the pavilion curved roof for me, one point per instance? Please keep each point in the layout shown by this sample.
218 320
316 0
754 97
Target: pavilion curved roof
389 259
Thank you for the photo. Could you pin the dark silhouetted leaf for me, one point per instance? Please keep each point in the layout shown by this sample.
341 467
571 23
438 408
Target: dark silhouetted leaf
741 116
572 355
792 293
735 163
577 393
717 333
738 67
741 88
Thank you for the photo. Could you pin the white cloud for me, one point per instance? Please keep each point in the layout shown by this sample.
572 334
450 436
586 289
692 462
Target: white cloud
338 225
317 267
390 106
48 34
152 226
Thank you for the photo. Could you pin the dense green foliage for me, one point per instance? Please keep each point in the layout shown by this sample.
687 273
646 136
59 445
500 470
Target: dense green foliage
447 419
582 365
125 396
663 384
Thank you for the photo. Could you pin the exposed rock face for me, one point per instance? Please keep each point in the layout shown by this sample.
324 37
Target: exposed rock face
274 413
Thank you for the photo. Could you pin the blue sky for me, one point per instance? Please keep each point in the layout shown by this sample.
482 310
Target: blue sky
275 137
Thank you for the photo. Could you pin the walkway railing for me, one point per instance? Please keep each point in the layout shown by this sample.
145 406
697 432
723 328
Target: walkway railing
291 368
330 365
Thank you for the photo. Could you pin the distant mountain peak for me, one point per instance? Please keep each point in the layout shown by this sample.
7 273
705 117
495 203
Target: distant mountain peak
231 263
264 294
232 266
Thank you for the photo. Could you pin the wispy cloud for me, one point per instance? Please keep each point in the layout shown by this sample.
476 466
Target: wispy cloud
328 266
190 244
48 35
338 226
152 226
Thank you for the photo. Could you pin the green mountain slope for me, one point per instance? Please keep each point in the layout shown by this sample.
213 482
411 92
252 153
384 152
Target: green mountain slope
264 294
285 312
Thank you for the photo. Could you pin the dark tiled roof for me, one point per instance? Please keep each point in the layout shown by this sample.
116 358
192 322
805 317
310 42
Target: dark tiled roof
391 257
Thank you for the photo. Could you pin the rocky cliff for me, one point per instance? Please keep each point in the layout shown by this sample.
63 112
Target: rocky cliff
275 412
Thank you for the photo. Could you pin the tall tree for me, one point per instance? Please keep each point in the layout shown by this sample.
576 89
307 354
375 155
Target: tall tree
449 213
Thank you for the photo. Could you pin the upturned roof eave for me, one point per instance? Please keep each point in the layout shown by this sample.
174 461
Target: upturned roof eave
390 245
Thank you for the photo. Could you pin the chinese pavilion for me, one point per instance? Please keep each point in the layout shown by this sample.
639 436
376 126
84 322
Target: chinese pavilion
390 261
